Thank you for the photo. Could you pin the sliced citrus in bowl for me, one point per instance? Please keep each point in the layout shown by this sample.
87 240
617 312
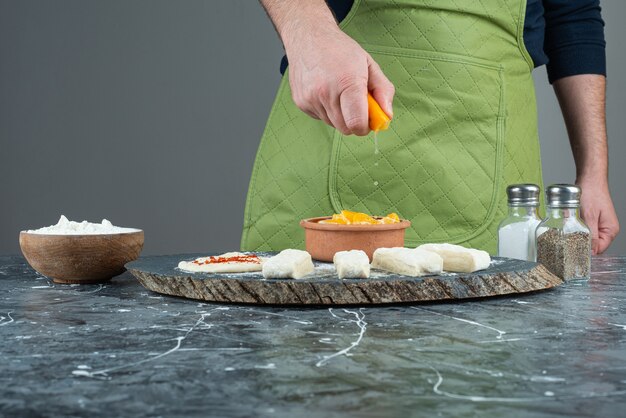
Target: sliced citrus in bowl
347 217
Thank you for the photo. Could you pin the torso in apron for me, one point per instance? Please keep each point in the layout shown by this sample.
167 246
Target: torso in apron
464 127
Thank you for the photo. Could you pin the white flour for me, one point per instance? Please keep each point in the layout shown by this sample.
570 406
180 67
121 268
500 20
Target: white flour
67 227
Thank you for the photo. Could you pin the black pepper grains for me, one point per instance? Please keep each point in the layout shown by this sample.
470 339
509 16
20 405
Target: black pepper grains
567 255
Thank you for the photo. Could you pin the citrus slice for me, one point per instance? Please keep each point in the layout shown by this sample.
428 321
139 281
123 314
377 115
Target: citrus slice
348 217
378 119
358 217
393 216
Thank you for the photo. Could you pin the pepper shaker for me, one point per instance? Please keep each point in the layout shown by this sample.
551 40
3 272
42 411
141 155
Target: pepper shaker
563 240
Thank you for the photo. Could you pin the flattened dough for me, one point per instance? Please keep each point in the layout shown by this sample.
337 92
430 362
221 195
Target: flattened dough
288 264
229 267
407 261
459 259
353 264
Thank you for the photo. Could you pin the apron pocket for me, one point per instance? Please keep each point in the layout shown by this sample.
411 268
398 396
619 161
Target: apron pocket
440 162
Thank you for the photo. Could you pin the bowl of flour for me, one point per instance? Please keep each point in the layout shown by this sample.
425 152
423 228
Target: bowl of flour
81 252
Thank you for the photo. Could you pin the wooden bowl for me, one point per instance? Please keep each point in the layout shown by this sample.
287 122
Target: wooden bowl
324 240
81 258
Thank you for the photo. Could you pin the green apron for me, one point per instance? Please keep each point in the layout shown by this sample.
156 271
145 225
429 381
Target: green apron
464 127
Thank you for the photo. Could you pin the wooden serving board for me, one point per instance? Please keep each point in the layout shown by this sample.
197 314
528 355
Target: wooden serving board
504 276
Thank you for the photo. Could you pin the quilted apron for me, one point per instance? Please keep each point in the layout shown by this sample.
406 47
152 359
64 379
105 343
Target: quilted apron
464 127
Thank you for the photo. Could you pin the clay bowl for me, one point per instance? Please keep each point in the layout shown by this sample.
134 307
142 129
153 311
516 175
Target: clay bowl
324 240
81 258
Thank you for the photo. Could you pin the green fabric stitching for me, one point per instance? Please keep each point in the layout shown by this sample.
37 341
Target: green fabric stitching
292 177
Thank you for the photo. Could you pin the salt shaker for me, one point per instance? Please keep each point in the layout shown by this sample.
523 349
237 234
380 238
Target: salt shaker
563 240
516 232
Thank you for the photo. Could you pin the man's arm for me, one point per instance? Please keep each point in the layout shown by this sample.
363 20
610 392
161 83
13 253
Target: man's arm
574 43
582 100
329 73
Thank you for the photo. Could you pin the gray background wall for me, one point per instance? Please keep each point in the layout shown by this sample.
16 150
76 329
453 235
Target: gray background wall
149 112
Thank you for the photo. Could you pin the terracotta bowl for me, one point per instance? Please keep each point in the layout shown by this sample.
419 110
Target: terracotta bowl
81 258
324 240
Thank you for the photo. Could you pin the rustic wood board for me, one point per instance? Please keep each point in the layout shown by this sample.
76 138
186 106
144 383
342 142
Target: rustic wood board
504 276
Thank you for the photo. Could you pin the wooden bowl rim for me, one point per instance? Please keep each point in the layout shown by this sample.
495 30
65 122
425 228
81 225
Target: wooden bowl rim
32 234
313 223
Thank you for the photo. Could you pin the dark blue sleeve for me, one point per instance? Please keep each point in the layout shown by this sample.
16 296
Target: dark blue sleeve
574 38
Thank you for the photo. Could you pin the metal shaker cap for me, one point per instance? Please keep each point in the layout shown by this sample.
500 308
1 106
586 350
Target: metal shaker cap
563 196
523 195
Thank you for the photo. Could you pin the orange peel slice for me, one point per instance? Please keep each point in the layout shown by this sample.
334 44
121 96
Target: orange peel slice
378 119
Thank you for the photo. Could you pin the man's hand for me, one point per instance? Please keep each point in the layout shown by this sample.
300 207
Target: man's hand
329 73
599 214
582 100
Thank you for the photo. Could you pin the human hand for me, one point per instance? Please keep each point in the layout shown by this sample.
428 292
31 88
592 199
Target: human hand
598 212
330 75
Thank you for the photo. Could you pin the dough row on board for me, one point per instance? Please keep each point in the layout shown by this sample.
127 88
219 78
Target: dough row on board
427 259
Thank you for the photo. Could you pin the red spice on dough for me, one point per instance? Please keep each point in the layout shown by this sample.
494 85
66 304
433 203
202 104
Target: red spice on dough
235 259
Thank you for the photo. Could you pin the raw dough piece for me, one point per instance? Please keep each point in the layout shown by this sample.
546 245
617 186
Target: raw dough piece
459 259
353 264
240 263
407 261
288 264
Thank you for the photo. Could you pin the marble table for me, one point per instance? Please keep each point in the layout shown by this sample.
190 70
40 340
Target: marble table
120 350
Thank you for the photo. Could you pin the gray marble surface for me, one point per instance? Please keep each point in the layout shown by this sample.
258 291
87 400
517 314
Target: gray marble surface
120 350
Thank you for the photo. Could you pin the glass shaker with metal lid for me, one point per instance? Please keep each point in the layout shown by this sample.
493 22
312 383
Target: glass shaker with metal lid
563 240
516 232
